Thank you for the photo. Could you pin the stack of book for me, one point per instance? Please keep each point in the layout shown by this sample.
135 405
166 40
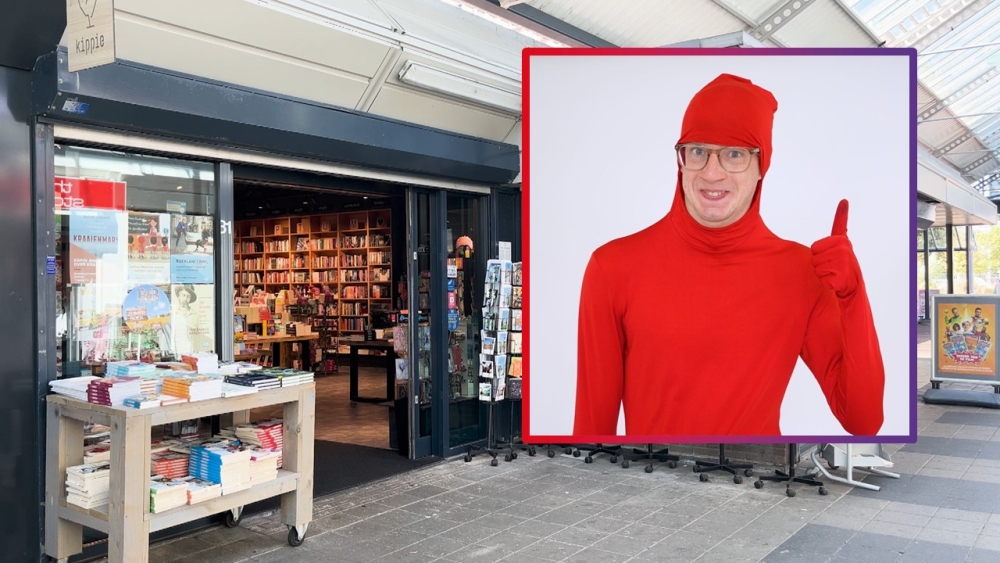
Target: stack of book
202 362
234 390
172 465
263 465
266 434
112 391
166 493
87 485
200 490
193 387
259 380
222 462
74 387
97 452
289 377
128 369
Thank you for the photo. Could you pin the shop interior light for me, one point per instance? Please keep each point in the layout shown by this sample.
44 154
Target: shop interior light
428 78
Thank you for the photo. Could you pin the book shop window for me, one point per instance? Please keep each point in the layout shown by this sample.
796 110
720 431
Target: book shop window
135 258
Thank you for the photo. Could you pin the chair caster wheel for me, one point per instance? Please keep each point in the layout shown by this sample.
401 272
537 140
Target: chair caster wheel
507 457
614 459
823 491
834 467
672 464
568 451
738 480
552 453
494 462
649 468
293 537
790 492
588 459
748 472
625 464
695 469
576 453
513 455
532 452
758 484
703 477
468 458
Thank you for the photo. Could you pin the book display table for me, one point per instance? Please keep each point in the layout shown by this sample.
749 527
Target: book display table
126 519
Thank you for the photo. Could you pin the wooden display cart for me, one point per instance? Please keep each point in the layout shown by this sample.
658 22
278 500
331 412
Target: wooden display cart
126 518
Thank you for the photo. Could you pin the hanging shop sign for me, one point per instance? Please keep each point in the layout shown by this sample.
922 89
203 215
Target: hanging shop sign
90 33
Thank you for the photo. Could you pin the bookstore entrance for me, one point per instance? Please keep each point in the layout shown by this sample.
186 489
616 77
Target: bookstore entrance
320 285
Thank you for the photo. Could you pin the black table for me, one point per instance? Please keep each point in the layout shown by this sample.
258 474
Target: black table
390 370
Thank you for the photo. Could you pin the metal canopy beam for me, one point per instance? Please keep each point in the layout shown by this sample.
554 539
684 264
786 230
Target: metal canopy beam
778 18
146 100
539 17
932 33
931 109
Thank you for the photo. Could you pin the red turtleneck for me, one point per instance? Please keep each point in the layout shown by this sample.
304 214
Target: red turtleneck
696 331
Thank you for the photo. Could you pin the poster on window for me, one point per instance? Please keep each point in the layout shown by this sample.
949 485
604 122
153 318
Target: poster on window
148 248
192 318
95 246
192 249
963 328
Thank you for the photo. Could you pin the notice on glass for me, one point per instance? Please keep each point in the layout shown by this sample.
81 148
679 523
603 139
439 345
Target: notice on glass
149 248
96 244
192 249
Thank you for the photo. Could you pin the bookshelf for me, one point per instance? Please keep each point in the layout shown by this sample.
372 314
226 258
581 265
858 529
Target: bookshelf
346 254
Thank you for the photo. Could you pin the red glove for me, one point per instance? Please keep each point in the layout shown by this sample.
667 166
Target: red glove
834 260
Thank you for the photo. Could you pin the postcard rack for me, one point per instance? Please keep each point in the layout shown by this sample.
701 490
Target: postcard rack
126 518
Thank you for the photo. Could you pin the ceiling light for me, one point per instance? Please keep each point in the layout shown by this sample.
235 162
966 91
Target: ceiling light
428 78
505 23
180 187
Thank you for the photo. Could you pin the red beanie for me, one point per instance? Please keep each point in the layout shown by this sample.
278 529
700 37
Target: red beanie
731 111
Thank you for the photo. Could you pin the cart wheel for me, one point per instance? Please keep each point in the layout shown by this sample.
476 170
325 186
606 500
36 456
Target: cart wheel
748 472
588 459
494 462
468 458
293 537
552 453
614 459
507 457
231 521
758 484
672 464
703 477
823 491
625 464
790 492
576 453
649 468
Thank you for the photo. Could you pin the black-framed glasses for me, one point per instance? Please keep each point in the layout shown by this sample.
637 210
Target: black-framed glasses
732 159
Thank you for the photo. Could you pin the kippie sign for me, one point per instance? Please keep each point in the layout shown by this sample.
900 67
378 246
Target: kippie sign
90 33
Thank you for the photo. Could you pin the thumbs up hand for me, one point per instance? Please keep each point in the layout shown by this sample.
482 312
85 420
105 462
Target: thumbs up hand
834 260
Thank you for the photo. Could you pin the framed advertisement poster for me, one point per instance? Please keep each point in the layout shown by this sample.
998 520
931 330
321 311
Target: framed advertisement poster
962 331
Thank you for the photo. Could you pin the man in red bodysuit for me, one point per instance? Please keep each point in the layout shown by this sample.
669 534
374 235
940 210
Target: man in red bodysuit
712 252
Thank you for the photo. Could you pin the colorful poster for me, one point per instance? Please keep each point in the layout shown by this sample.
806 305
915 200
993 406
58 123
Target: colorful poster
146 308
964 338
96 246
192 249
149 248
192 318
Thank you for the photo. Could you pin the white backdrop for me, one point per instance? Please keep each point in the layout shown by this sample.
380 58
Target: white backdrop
602 165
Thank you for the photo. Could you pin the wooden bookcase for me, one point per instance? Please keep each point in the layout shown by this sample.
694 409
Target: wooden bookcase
349 253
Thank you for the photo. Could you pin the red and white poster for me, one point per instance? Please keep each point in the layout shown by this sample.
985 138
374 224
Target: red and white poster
79 193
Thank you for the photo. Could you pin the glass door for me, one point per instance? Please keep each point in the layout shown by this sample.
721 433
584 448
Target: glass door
425 274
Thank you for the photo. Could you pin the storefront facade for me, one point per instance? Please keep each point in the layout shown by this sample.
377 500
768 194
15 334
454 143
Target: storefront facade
127 149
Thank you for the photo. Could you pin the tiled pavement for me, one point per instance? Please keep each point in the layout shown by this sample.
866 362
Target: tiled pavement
945 508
